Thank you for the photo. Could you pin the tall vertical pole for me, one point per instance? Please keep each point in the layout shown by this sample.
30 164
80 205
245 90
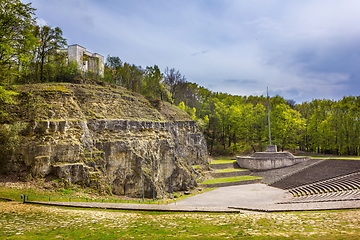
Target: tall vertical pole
268 107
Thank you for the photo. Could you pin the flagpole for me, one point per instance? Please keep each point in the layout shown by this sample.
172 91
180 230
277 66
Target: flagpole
268 107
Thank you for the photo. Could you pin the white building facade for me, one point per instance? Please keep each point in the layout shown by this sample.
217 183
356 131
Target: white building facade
87 61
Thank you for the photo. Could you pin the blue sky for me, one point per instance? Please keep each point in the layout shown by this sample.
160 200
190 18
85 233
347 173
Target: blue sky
301 50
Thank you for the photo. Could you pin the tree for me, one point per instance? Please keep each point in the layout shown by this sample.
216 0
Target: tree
113 68
152 86
189 110
173 79
317 117
287 126
126 75
50 40
291 103
16 37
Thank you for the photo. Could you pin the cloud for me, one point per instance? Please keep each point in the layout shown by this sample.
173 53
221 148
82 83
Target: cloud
299 49
198 53
240 81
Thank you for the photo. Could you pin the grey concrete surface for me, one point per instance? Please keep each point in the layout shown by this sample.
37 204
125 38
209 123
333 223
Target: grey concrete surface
243 198
241 195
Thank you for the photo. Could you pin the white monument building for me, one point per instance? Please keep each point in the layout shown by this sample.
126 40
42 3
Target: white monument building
87 61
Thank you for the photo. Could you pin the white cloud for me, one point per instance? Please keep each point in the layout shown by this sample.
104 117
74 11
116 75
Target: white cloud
302 49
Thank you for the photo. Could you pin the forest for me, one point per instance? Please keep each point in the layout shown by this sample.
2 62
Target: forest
232 124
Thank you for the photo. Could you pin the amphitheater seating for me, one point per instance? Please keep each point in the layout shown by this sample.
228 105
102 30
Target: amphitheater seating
275 175
335 189
322 171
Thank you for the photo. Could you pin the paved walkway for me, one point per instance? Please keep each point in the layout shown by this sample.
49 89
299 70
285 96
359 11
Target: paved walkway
241 195
252 197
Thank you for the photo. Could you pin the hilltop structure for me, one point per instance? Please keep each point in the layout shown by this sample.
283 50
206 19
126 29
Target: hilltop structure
87 61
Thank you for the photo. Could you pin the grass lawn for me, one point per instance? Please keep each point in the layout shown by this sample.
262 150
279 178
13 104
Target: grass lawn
222 161
26 221
60 195
231 170
336 157
230 179
72 195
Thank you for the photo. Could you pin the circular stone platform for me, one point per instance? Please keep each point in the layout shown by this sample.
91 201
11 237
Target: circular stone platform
268 160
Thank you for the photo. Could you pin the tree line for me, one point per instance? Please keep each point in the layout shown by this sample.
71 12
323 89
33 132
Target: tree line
232 124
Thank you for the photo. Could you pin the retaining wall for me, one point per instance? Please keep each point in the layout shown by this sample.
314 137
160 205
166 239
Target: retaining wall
271 162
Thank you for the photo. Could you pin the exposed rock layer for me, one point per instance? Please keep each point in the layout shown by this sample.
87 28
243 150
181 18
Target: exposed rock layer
104 137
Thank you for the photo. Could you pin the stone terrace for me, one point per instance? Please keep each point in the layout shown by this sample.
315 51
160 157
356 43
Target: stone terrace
274 175
335 189
321 171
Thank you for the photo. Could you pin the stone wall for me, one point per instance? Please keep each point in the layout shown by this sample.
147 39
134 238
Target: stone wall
124 155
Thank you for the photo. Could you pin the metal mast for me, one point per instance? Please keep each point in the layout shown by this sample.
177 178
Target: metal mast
268 107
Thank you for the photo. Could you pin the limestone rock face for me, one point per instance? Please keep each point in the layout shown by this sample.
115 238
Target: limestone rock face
105 138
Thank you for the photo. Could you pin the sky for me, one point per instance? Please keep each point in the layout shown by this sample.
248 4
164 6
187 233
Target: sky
300 50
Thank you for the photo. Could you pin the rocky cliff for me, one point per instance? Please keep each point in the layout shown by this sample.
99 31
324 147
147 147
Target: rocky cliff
102 137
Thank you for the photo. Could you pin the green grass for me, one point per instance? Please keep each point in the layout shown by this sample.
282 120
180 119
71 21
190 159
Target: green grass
66 195
230 170
230 179
336 157
222 161
70 195
24 221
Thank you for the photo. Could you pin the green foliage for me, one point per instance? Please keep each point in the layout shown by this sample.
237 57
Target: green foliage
222 161
189 110
228 170
287 126
126 75
29 53
333 127
182 106
152 86
66 72
173 80
17 40
7 96
48 61
230 179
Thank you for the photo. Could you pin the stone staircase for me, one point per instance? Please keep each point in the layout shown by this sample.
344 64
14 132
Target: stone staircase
321 171
296 170
275 175
229 170
321 181
342 188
